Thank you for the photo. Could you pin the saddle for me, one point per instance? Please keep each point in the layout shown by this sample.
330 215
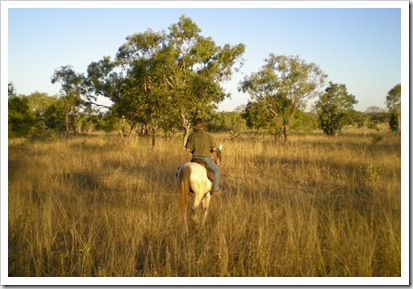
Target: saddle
210 173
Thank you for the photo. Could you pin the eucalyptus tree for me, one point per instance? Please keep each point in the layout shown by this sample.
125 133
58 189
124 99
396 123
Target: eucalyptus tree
101 80
284 85
173 76
198 69
70 92
335 108
144 96
105 79
162 79
126 80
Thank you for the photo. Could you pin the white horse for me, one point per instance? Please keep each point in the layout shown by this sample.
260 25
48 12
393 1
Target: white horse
192 178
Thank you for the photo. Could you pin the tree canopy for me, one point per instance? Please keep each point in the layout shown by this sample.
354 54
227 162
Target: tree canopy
283 85
70 91
334 108
160 78
393 103
393 98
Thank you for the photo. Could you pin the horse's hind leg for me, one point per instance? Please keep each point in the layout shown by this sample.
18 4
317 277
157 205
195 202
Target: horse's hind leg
197 201
205 203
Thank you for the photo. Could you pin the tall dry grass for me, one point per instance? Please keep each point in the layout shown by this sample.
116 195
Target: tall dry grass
316 206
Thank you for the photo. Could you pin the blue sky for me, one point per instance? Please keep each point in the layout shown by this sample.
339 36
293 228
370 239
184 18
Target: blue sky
358 47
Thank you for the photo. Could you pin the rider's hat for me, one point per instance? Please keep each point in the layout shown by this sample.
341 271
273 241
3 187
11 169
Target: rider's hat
199 123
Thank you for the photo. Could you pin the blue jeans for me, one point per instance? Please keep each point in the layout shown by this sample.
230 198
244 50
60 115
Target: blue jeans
214 168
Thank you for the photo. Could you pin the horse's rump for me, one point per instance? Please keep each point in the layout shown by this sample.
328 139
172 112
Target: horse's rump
210 173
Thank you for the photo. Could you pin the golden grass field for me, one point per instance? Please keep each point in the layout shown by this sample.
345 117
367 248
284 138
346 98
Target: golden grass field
315 206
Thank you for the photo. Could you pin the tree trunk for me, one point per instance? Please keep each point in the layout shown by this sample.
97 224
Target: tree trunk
166 136
132 130
67 122
144 129
154 128
123 126
186 126
285 132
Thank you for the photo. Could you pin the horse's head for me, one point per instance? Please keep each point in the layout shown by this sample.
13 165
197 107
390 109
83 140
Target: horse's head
216 155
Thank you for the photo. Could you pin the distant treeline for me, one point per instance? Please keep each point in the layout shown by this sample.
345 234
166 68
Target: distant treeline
40 116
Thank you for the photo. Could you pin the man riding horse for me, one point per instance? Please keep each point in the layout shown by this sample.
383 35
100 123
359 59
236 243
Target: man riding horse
201 144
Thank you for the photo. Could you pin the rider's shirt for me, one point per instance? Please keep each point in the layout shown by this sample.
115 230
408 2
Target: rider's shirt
200 143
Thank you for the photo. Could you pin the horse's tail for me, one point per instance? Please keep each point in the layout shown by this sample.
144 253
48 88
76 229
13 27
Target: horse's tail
183 192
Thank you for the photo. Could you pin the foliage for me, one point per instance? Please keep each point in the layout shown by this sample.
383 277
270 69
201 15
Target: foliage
11 90
393 103
21 120
304 123
359 119
393 98
375 116
55 116
39 116
164 79
70 99
394 121
227 122
334 108
36 116
283 85
258 117
111 122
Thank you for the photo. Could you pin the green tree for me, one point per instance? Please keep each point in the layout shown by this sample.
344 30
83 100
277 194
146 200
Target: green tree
361 119
110 122
55 117
143 58
334 108
304 123
393 103
101 80
104 78
70 92
40 101
283 85
21 119
374 116
258 117
227 121
11 89
172 76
